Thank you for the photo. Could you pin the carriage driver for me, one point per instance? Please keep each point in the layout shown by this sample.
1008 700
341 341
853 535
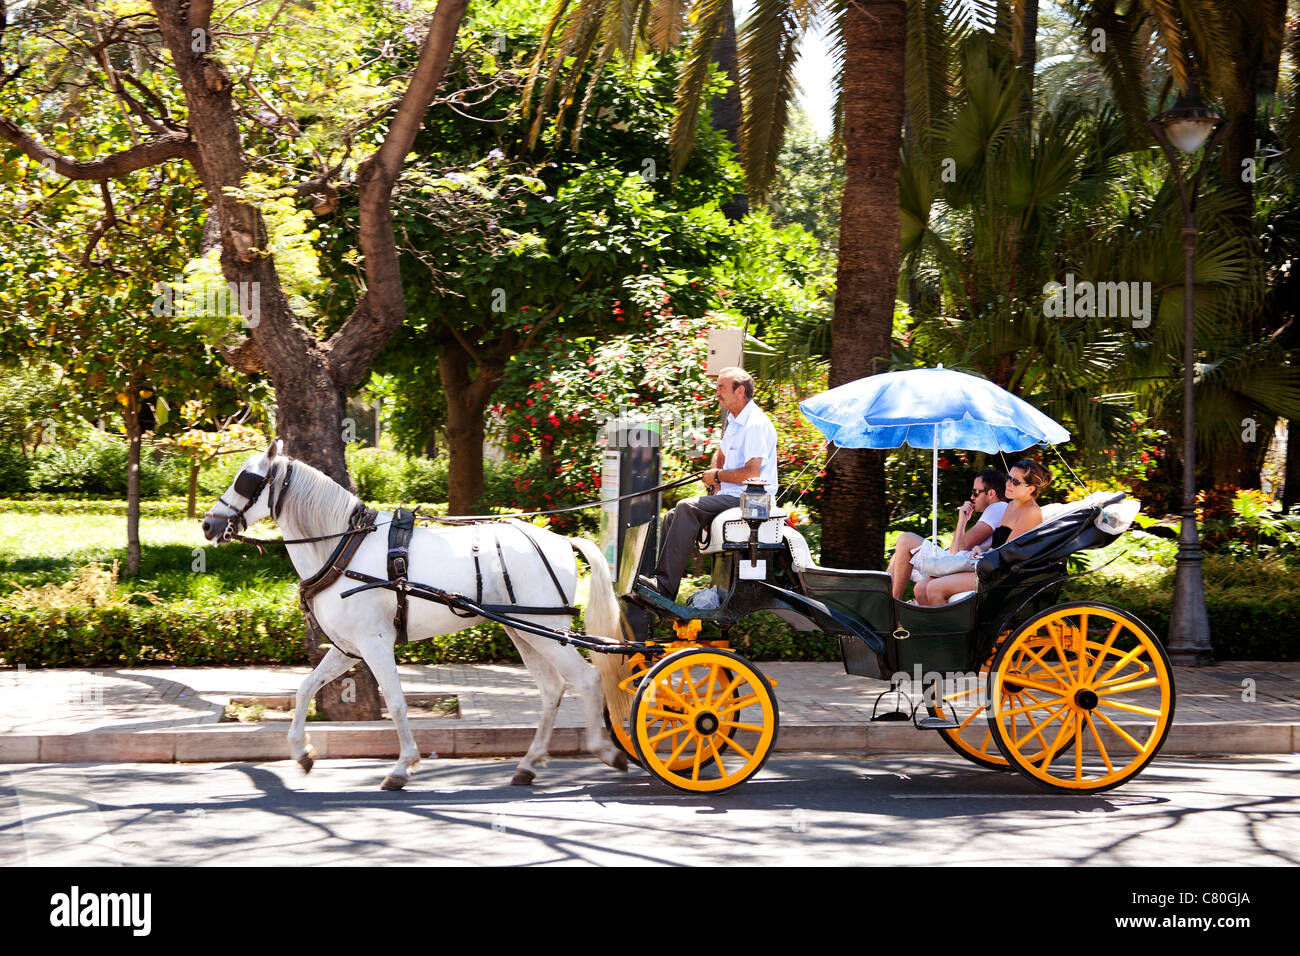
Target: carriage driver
748 451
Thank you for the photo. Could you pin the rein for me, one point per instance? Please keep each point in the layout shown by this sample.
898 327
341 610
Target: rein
425 516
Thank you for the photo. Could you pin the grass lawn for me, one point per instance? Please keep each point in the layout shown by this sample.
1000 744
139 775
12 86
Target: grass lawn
176 563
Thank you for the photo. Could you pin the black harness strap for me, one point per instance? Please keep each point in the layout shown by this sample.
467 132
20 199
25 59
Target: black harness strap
399 540
523 529
505 575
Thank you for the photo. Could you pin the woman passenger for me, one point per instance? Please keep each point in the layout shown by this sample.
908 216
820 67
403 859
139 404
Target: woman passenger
1024 482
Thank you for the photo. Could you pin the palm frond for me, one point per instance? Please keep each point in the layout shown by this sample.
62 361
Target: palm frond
709 18
667 20
767 48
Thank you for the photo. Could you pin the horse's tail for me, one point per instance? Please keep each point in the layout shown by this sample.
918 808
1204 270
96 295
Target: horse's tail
604 620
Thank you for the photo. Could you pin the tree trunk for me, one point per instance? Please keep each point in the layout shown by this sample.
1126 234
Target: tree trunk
1291 477
727 109
1028 59
467 400
856 512
132 417
191 505
309 416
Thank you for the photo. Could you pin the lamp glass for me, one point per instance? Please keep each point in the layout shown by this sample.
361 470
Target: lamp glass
1189 134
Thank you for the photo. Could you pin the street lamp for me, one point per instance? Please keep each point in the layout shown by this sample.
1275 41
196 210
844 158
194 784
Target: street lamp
1187 127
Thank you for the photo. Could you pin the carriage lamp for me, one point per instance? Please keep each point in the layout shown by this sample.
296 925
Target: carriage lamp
1186 127
755 501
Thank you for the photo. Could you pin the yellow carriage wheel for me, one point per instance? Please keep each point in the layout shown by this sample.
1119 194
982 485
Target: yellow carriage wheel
704 720
623 738
1082 698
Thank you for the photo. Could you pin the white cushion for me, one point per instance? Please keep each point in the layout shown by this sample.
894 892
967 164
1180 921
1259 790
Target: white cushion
769 532
960 596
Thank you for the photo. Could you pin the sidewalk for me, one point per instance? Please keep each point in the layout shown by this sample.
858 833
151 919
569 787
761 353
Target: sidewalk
166 714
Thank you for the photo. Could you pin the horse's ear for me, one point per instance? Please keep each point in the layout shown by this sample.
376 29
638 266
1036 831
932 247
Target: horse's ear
277 446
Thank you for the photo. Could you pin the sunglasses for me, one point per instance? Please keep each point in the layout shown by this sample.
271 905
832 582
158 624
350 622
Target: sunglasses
980 491
1017 482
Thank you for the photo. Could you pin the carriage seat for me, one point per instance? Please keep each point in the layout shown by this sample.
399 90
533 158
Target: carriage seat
1113 518
769 532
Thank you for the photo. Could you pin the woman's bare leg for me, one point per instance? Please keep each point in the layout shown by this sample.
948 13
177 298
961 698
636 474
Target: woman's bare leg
900 565
940 589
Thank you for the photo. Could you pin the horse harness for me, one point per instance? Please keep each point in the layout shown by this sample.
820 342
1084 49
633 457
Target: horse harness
250 487
400 531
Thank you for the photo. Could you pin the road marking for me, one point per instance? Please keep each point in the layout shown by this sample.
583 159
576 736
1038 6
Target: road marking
62 824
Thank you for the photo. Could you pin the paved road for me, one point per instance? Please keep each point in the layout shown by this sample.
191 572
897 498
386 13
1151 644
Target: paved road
802 809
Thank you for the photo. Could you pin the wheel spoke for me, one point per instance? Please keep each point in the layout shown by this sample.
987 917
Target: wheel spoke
756 728
1036 685
667 714
1100 746
1036 705
1132 708
1060 652
707 699
739 703
678 750
1135 685
1105 651
973 714
1064 681
1035 729
1121 732
671 693
731 742
717 758
1128 656
1078 747
667 733
695 769
1057 741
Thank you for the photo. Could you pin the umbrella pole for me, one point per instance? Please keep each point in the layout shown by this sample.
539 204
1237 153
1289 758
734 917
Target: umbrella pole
934 492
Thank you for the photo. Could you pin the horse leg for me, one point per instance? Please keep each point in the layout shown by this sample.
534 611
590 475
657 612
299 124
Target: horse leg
378 654
585 679
551 685
334 664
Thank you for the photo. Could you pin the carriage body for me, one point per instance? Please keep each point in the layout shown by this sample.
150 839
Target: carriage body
1015 679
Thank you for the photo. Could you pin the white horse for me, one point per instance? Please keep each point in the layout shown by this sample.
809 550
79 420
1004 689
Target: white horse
362 627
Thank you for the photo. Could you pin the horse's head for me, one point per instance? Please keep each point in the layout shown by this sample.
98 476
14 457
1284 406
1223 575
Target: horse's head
252 496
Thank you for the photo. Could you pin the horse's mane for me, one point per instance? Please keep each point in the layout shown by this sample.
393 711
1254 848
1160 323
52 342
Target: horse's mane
319 504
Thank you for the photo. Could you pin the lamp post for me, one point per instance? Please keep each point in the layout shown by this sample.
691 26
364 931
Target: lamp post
1187 126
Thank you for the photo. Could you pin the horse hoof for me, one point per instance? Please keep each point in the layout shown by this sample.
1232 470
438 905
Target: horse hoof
393 783
307 760
620 762
522 778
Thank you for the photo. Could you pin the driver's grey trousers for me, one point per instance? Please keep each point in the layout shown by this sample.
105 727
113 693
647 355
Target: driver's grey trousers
680 528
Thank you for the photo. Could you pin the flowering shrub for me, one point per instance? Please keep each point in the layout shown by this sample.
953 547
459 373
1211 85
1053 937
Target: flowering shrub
553 402
800 450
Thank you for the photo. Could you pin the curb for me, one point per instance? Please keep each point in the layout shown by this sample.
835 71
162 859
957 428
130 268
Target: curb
237 742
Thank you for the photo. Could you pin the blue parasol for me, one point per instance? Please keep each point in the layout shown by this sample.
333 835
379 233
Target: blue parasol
929 408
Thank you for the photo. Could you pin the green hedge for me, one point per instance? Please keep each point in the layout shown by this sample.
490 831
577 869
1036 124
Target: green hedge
192 633
1243 627
214 633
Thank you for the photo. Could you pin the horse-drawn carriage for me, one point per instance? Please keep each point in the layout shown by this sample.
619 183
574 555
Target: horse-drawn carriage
1076 696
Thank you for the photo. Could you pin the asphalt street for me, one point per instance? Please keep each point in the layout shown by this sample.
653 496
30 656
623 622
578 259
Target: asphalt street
801 809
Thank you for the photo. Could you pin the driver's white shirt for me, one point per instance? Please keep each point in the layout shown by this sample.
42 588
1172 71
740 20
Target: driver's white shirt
749 435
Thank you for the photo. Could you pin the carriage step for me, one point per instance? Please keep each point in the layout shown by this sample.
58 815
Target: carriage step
891 715
937 723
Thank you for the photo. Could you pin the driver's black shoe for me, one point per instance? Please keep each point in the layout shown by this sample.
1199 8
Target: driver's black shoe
651 584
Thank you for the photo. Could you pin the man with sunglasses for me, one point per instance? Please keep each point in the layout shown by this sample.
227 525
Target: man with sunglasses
987 499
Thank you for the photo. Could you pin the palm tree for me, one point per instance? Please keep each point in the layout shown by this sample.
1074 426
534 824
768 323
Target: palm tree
877 84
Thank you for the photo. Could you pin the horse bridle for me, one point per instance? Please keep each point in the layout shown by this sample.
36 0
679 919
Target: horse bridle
250 486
